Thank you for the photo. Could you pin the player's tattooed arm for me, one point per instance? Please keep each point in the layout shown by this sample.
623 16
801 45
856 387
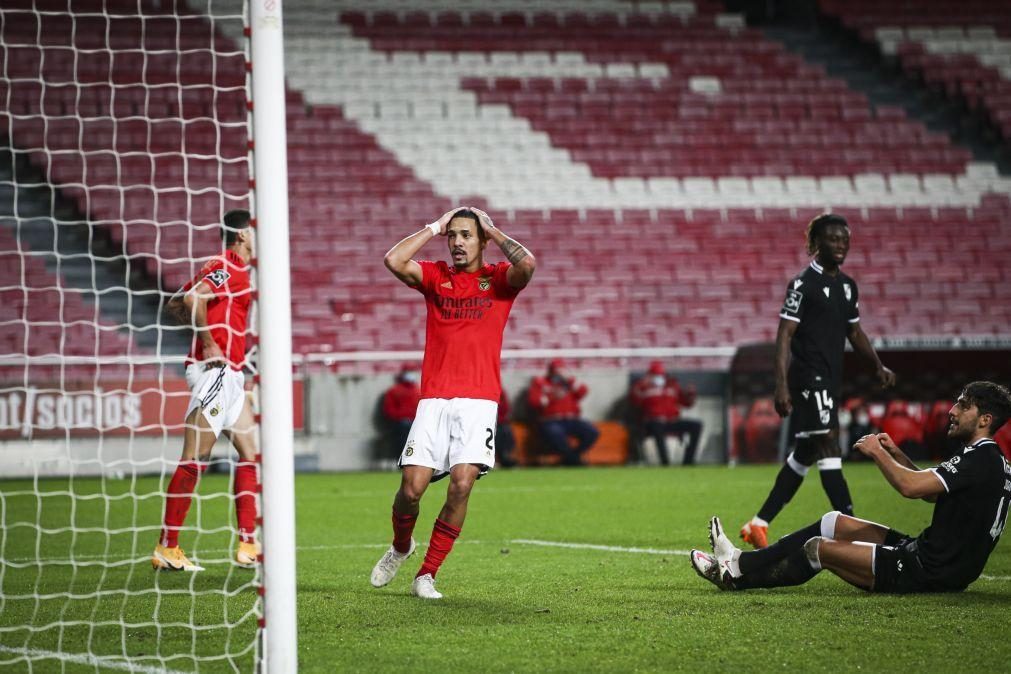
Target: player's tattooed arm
514 251
522 260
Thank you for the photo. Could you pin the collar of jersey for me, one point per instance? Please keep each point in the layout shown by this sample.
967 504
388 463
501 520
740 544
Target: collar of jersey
454 270
978 443
234 258
817 267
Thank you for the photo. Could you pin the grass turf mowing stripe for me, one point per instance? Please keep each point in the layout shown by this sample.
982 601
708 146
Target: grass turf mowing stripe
88 659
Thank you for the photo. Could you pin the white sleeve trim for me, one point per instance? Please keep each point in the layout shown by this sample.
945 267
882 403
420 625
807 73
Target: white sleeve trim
790 318
938 476
855 320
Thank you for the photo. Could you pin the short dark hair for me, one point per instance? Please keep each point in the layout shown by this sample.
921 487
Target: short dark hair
817 227
233 223
467 213
990 398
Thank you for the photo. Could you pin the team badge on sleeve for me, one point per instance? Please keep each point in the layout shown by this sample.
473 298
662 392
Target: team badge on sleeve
792 303
218 277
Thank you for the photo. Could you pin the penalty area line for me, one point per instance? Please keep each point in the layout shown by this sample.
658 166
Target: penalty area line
603 548
88 659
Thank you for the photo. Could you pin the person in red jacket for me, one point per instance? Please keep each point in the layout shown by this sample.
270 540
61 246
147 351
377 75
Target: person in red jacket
659 400
555 399
400 404
505 441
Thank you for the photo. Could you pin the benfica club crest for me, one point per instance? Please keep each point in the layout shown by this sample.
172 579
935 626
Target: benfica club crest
849 293
484 282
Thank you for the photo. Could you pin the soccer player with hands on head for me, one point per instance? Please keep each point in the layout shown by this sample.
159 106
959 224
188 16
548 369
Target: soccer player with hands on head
971 492
453 433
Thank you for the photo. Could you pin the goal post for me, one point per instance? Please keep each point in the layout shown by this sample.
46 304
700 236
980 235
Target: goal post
276 433
128 128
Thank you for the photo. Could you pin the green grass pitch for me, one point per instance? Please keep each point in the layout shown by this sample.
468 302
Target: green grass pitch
509 605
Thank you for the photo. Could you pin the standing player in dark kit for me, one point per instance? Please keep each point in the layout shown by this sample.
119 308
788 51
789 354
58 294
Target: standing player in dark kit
821 311
972 491
454 428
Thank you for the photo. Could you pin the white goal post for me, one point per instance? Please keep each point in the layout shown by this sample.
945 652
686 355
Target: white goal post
276 432
128 128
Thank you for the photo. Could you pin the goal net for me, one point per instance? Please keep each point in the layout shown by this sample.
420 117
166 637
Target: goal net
124 138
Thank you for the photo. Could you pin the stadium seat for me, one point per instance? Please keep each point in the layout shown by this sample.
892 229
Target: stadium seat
692 199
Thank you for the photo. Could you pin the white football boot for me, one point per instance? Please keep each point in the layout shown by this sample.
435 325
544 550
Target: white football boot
386 568
725 552
424 587
707 567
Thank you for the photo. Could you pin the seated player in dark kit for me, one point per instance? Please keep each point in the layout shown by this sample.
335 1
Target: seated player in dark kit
972 491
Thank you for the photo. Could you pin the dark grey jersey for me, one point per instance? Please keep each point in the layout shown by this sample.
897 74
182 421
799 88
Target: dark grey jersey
824 306
969 517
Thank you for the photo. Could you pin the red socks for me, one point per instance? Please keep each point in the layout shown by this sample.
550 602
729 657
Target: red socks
178 498
245 500
443 537
403 527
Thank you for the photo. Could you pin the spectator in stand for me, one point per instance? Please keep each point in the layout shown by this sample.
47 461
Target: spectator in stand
904 429
400 404
555 400
860 424
505 441
658 398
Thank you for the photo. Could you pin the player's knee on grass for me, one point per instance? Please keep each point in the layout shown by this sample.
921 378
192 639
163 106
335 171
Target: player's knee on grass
828 524
812 551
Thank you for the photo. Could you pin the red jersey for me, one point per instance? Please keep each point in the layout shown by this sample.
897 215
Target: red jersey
228 277
467 314
400 402
554 399
660 401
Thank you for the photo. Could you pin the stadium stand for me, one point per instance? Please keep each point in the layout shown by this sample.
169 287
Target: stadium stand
963 47
660 158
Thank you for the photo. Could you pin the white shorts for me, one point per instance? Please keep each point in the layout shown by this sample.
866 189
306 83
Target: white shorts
219 392
446 433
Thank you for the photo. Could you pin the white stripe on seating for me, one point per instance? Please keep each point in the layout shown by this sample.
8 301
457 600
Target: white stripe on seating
604 548
88 659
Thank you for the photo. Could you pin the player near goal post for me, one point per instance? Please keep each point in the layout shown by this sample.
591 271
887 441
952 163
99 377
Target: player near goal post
217 303
821 311
454 429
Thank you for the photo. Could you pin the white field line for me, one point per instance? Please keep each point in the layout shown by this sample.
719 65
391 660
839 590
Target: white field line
203 559
604 548
88 659
379 546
